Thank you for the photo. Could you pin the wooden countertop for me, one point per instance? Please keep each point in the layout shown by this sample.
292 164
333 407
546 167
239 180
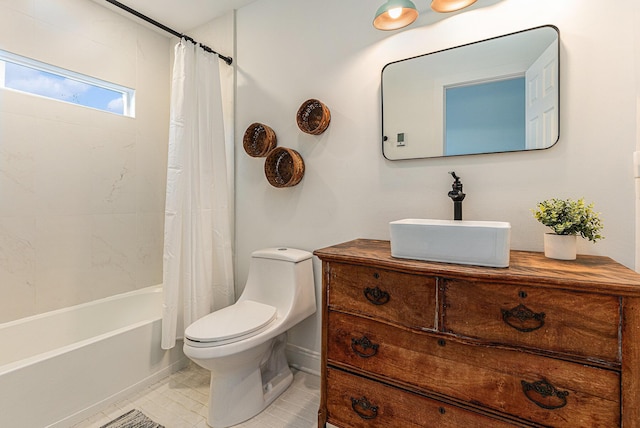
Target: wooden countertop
598 274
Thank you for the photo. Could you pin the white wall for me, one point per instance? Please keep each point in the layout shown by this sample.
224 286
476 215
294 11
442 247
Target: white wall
291 50
81 191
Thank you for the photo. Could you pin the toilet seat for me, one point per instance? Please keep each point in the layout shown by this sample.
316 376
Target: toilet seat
230 324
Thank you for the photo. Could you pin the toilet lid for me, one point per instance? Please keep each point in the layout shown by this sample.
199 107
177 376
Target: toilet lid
234 321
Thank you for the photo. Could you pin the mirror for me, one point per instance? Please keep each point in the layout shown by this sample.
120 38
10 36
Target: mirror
491 96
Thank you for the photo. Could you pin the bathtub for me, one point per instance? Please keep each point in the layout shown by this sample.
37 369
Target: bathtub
61 367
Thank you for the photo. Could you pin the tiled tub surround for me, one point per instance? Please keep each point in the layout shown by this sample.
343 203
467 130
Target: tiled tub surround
81 190
58 368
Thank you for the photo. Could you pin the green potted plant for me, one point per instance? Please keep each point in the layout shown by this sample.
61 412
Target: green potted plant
568 219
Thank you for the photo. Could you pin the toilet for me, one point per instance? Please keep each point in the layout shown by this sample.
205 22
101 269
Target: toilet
243 345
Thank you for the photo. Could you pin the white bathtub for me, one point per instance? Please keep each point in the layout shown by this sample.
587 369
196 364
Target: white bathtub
60 367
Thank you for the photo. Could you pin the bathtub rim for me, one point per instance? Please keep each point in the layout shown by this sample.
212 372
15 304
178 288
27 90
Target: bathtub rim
25 362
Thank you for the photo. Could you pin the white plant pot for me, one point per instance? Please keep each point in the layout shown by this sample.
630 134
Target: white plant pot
561 247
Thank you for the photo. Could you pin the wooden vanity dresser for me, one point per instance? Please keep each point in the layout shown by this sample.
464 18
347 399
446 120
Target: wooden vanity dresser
542 343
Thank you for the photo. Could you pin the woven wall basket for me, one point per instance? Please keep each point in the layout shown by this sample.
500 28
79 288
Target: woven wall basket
313 117
259 140
283 167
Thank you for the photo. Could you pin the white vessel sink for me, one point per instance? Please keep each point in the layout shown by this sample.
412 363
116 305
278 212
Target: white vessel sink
482 243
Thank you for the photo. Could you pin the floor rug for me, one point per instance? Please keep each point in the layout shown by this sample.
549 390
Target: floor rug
132 419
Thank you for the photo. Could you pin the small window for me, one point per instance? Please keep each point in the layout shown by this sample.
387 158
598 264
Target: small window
33 77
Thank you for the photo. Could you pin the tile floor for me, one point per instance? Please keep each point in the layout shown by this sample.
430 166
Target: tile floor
180 401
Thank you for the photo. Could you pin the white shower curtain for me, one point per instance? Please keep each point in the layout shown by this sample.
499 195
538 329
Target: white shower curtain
198 269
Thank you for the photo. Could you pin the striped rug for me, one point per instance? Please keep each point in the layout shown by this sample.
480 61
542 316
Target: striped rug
132 419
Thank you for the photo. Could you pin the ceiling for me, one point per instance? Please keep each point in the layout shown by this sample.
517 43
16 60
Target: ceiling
180 15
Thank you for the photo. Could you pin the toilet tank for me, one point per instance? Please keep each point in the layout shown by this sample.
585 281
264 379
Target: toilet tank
282 277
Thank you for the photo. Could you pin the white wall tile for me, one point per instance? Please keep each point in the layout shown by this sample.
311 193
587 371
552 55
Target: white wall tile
17 29
149 234
63 182
113 173
25 6
17 267
81 190
17 165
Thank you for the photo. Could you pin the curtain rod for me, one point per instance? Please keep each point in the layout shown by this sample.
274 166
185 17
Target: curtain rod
126 8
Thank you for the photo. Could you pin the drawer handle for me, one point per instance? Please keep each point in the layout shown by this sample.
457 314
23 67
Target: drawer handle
545 395
523 319
370 349
376 296
363 408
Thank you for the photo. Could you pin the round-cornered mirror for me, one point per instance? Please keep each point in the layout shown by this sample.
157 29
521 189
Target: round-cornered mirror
495 95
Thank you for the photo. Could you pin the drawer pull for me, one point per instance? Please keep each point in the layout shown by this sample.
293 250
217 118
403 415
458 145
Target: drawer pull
544 395
369 349
363 408
376 296
523 319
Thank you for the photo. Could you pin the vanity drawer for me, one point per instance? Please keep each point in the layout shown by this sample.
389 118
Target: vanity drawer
541 318
535 388
397 297
357 402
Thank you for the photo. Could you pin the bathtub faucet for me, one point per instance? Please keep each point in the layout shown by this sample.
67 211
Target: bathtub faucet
456 196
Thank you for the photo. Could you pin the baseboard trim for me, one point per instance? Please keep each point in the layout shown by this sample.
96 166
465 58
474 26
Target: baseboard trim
303 359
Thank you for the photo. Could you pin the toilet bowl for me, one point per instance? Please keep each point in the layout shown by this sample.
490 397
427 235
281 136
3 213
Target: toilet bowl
243 345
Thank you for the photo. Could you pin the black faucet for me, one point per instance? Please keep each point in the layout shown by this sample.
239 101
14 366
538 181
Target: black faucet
456 196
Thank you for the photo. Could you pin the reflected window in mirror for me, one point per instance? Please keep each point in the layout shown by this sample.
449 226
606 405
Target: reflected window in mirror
496 95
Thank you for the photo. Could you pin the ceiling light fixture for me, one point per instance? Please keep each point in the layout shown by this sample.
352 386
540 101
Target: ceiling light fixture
444 6
395 14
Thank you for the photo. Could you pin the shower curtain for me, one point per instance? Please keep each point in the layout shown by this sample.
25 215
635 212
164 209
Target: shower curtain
197 259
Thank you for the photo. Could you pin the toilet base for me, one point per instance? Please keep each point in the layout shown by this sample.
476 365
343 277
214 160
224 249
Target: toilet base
248 401
239 392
